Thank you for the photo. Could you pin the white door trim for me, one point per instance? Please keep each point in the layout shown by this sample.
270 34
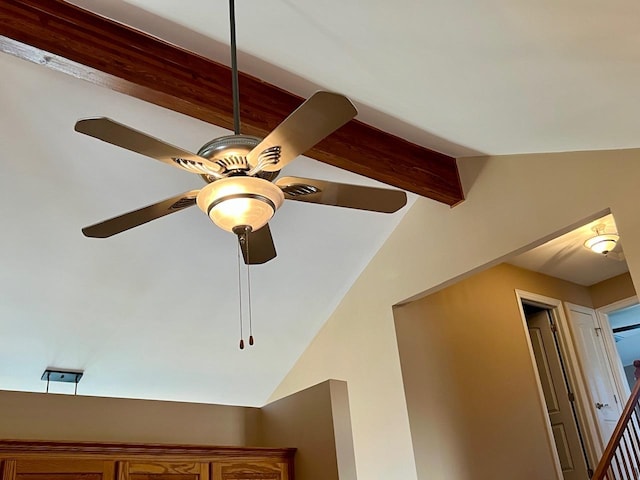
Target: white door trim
587 422
619 377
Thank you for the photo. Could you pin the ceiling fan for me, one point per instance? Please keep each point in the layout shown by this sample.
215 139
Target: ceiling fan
242 193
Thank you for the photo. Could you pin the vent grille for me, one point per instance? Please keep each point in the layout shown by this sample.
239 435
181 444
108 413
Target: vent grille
234 162
271 155
192 165
183 203
300 189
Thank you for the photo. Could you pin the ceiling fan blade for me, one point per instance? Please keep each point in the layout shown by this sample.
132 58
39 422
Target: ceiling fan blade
259 248
138 217
318 117
122 136
342 195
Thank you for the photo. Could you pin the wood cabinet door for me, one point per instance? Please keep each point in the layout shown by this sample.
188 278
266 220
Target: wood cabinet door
240 470
57 469
163 470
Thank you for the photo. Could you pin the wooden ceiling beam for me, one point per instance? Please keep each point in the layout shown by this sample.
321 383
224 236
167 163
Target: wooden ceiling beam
85 45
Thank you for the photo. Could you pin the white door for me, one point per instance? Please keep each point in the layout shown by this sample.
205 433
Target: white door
595 368
556 395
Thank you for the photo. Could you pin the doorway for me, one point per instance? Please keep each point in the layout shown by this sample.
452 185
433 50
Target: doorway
558 394
621 321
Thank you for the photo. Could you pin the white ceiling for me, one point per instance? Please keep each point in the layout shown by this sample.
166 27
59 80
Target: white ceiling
567 258
152 313
497 77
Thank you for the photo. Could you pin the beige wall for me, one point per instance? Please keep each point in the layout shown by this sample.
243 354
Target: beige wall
487 415
514 202
40 416
611 290
315 421
312 420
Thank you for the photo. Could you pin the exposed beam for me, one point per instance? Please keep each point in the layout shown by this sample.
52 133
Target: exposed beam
85 45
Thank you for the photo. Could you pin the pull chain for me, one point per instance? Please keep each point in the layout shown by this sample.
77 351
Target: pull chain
249 289
243 241
240 297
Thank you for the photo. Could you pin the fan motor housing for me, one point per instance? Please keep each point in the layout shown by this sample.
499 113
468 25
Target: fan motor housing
220 147
230 152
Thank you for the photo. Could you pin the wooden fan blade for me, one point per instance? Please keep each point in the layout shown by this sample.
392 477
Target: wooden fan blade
122 136
322 114
342 195
138 217
257 247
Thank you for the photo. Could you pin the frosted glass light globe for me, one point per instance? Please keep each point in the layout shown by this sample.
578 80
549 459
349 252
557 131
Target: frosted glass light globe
240 201
603 243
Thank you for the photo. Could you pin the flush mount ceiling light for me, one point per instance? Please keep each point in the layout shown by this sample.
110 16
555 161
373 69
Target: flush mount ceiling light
602 243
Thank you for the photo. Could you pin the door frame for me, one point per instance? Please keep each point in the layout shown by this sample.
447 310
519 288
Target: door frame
619 377
587 423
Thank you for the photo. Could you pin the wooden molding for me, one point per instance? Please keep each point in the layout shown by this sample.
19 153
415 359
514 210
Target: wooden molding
16 448
85 45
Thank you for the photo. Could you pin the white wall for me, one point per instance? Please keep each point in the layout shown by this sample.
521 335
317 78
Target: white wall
515 201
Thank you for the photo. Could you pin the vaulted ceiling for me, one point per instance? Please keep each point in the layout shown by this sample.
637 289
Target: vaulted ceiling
77 41
153 313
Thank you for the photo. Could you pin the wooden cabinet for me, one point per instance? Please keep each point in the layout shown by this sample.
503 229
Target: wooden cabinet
57 469
163 470
246 470
92 461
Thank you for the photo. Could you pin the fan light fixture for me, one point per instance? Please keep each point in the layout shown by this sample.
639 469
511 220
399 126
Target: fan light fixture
602 243
240 202
240 196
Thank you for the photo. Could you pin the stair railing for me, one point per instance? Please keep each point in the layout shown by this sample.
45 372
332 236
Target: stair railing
621 458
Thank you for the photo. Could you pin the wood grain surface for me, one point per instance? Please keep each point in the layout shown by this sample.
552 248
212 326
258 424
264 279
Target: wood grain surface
80 43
